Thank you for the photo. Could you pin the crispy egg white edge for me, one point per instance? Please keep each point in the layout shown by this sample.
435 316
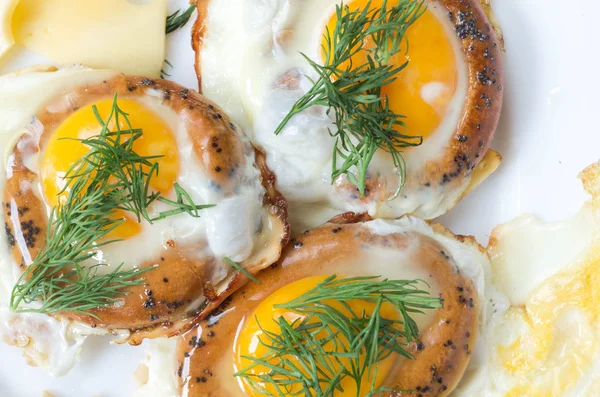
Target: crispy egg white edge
526 253
54 344
240 82
469 258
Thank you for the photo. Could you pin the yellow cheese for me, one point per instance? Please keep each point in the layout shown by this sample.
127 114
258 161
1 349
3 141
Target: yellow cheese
7 8
124 35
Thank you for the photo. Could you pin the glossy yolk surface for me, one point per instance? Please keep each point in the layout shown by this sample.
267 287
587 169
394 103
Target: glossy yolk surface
424 89
261 321
60 153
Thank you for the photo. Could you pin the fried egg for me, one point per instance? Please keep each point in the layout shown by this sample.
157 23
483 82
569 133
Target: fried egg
249 61
455 268
546 343
203 151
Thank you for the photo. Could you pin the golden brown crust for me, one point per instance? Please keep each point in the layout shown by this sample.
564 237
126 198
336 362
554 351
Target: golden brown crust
273 197
441 354
198 31
490 162
171 298
350 217
485 79
486 5
590 177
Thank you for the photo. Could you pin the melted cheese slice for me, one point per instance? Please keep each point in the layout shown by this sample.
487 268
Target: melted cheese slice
124 35
7 8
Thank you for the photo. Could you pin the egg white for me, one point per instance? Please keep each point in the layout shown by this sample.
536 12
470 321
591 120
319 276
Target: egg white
225 230
156 376
243 56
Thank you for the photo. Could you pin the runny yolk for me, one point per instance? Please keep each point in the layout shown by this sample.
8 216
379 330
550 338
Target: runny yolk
261 321
424 89
60 154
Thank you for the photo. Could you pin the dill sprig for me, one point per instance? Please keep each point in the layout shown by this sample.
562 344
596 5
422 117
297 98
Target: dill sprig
362 116
110 177
167 66
331 342
239 268
179 19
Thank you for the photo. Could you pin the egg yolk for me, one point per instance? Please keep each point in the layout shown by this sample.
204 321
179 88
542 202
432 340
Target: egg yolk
60 154
262 321
424 89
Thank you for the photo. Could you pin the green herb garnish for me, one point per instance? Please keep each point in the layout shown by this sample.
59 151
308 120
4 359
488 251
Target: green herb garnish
331 342
163 72
110 177
363 121
239 268
179 19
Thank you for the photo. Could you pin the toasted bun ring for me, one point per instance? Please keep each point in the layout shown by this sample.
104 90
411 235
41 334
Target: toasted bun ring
441 353
176 291
483 104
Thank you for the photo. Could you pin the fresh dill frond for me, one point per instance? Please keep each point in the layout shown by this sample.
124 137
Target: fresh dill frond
352 92
163 72
179 19
331 342
239 268
110 177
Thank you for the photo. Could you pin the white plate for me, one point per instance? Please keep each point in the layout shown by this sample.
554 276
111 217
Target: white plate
547 134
